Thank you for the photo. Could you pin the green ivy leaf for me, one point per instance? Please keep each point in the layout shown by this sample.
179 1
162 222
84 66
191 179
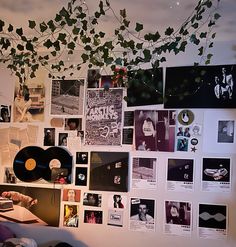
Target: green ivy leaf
85 57
19 31
97 14
61 37
54 53
29 46
147 55
6 44
126 23
51 25
64 12
58 18
217 16
20 47
56 44
48 43
123 13
71 45
32 24
10 28
101 8
195 25
138 27
2 23
169 31
210 45
203 35
43 27
75 30
101 34
139 46
213 35
201 49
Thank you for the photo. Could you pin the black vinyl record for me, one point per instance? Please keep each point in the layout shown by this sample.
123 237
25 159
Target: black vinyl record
29 164
57 157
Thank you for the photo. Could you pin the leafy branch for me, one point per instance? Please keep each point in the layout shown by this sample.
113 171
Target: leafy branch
74 28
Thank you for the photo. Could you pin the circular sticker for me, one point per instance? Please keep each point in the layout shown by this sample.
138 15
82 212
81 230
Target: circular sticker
185 117
194 141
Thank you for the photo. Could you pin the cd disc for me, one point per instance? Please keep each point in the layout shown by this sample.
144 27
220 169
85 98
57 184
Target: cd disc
57 157
28 164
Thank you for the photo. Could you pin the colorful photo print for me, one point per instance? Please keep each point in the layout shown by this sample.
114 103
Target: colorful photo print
49 137
67 97
145 87
109 171
178 213
225 131
81 176
93 216
117 201
29 99
5 111
180 170
212 216
106 81
216 169
62 139
9 176
71 195
214 85
71 215
73 123
26 205
92 199
93 78
81 157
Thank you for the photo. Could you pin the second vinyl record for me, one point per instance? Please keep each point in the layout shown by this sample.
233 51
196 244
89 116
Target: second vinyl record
57 157
29 164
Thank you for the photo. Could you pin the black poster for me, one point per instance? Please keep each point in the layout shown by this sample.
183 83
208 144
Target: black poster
200 87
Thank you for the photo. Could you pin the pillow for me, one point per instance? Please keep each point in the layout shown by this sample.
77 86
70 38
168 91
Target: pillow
24 242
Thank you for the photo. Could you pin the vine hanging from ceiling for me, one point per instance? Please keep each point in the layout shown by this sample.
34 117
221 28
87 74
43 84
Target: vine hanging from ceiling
74 28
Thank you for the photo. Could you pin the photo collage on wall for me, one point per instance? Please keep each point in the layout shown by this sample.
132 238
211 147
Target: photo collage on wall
105 148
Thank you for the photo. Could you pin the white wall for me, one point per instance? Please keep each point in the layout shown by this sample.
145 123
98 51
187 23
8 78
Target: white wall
103 235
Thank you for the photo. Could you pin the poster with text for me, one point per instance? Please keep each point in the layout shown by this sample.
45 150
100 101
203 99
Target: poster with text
144 173
180 175
216 173
155 130
213 221
115 217
178 218
142 215
103 116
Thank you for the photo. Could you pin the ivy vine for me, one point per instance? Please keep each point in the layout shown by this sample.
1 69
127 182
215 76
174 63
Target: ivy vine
74 28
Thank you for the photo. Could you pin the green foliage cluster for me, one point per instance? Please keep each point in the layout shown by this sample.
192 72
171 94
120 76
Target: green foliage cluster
74 28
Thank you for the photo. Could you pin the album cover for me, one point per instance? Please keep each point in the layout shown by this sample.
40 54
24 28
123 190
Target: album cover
209 86
81 157
67 97
81 176
93 216
109 171
71 215
103 117
32 205
92 199
154 130
71 195
145 87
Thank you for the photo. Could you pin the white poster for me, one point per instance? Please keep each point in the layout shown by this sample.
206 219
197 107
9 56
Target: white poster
142 215
216 175
219 134
144 173
212 221
178 218
180 175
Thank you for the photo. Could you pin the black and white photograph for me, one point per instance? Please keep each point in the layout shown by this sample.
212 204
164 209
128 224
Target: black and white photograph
226 131
216 174
109 171
103 117
154 130
145 87
5 111
144 173
67 97
127 136
209 86
213 221
93 216
128 118
142 214
178 218
92 199
180 174
81 176
82 158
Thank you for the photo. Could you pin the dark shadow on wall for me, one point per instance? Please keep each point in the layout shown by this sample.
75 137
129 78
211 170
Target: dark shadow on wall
44 236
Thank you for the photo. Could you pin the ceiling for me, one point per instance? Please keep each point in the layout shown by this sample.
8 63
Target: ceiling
154 14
